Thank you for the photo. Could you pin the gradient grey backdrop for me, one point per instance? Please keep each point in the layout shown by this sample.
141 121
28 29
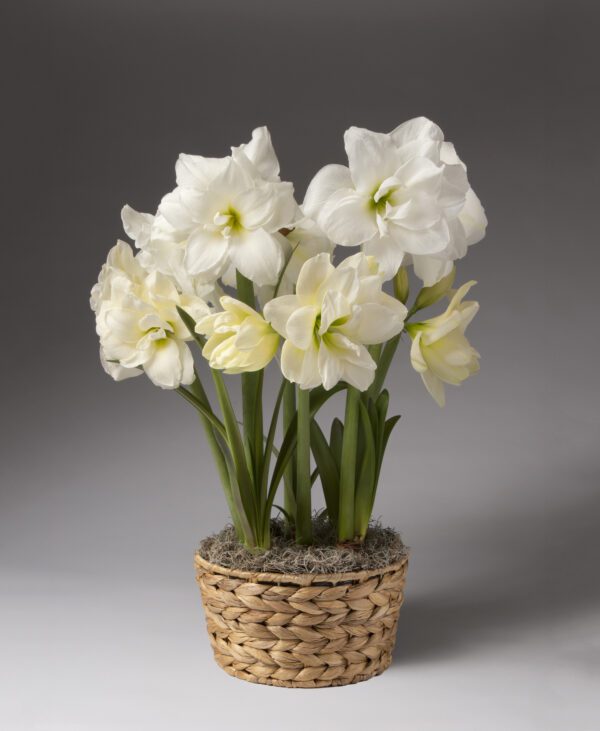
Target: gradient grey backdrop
106 488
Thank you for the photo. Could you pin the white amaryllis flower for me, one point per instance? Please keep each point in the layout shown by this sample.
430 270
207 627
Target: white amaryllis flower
138 323
162 249
335 313
226 212
440 352
239 340
304 241
401 195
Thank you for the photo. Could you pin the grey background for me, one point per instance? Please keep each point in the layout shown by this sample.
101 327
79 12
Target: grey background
106 488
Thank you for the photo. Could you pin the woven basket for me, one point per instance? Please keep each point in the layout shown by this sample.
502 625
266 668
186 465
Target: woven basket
302 630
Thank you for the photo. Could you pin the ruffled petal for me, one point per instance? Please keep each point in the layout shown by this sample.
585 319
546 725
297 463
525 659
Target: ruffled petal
206 255
348 218
257 255
326 182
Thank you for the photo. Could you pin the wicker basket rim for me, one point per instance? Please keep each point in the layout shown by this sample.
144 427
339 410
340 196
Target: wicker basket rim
300 579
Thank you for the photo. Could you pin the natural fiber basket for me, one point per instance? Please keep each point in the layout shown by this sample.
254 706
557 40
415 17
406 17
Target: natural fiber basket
302 630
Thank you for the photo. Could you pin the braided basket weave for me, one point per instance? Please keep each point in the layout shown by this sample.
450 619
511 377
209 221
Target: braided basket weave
302 630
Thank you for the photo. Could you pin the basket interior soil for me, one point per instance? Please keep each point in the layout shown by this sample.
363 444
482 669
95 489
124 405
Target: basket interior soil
381 547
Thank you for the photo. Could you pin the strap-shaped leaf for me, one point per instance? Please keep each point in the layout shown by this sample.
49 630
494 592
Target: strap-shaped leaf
328 470
335 440
365 486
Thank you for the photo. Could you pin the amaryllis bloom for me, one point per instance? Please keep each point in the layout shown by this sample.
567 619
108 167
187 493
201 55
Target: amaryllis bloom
138 323
162 249
225 213
335 313
440 352
304 241
401 196
238 338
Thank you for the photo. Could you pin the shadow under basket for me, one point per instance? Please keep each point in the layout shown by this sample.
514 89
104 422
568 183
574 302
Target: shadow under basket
302 630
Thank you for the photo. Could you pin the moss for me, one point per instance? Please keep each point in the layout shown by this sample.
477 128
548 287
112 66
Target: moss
381 547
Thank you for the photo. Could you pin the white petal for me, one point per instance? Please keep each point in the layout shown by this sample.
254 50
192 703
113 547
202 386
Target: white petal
325 183
278 311
261 154
330 367
137 225
372 157
473 219
312 277
432 240
388 253
175 211
195 171
435 387
348 218
301 326
164 367
430 270
416 354
335 306
416 129
300 366
257 255
206 254
117 371
256 206
375 322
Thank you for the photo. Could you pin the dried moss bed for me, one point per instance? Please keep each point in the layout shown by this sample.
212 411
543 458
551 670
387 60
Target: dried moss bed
381 547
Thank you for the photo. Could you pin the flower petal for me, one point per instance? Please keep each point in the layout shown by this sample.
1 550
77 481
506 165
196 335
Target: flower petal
435 387
417 128
430 270
257 255
312 277
372 157
195 171
348 218
387 252
300 329
326 182
206 255
300 366
279 310
261 154
164 367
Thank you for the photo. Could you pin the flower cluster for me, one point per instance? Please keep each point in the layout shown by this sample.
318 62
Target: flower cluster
404 199
232 261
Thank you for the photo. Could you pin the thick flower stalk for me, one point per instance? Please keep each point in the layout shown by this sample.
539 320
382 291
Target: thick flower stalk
138 323
239 340
404 195
440 352
335 313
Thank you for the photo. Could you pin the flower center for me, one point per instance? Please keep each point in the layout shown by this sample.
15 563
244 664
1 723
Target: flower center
228 221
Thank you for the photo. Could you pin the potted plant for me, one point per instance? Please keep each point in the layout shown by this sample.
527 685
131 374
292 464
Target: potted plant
231 266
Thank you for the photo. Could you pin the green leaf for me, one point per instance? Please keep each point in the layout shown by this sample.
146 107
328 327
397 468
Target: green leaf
318 397
430 295
335 440
203 409
328 470
365 486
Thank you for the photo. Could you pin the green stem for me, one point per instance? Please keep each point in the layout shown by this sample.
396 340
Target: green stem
303 484
251 392
348 467
236 447
289 414
383 366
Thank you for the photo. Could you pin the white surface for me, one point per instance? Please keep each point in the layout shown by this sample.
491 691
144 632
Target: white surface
88 653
